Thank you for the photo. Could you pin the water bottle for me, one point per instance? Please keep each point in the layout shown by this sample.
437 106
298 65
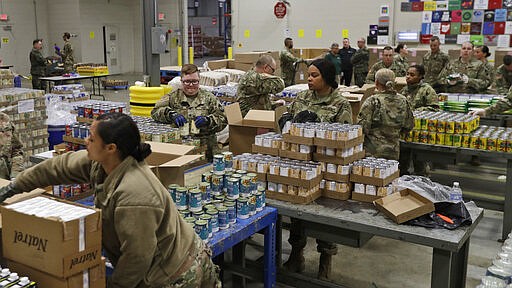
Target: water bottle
456 193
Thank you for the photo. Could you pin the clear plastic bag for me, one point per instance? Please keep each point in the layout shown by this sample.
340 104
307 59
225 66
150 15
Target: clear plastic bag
58 110
433 191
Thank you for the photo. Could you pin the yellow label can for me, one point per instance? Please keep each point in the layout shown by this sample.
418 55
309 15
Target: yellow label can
415 136
417 123
474 142
423 124
448 139
491 144
423 136
440 138
465 140
457 128
450 126
482 142
431 138
457 140
432 125
502 144
441 126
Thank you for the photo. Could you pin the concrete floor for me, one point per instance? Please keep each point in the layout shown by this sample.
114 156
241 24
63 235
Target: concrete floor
386 263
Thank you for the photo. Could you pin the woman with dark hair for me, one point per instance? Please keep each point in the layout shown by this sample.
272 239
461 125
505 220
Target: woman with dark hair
419 94
323 102
481 54
401 55
67 53
147 241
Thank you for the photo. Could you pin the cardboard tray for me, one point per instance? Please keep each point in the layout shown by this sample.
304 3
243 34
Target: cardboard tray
336 177
294 198
295 181
404 205
338 143
261 176
298 139
374 181
265 150
365 197
338 160
336 195
295 155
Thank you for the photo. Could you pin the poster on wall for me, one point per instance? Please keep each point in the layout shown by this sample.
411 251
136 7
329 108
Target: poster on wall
503 40
491 40
481 4
500 15
466 4
462 38
426 17
442 5
456 16
478 16
382 40
384 10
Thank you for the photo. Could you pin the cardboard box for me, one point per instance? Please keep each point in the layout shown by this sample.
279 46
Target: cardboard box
240 66
265 150
295 181
243 130
404 205
364 197
301 73
379 182
170 161
338 144
296 199
295 155
262 176
50 244
336 195
252 57
95 276
219 64
298 139
336 177
338 160
499 54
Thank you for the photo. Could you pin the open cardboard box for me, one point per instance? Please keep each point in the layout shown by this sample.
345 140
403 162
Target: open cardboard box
170 161
404 205
242 130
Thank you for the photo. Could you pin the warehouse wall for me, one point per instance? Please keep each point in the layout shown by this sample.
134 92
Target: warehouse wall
64 16
172 12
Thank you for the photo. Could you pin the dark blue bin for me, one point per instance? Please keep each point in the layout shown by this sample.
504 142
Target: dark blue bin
55 133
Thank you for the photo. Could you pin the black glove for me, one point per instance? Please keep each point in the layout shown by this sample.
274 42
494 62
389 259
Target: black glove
284 118
306 116
8 191
176 118
202 121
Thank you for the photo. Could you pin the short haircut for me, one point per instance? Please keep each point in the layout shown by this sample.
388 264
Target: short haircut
435 38
387 48
67 35
188 69
287 39
507 59
468 42
35 41
335 45
399 47
265 60
419 68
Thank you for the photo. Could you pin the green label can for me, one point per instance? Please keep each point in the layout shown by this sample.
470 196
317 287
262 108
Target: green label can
201 227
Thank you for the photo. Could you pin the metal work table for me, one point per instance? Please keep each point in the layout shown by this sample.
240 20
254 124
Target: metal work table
447 154
94 79
333 220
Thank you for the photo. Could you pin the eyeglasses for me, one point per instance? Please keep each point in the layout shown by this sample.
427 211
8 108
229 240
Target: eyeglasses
190 82
271 68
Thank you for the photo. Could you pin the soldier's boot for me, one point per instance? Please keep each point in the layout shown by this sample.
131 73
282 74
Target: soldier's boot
324 267
296 262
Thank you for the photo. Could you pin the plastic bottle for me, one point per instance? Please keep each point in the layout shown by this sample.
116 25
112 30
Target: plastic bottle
456 193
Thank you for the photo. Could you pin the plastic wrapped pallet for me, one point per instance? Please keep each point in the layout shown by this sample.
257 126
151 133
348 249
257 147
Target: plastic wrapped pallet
213 78
234 74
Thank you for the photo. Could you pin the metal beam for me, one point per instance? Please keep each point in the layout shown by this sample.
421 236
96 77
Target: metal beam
151 62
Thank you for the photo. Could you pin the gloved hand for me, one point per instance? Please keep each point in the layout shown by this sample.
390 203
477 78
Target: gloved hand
465 78
57 49
176 118
306 116
202 121
8 191
285 118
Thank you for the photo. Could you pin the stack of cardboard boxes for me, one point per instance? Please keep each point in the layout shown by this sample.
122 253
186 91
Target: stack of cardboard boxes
6 78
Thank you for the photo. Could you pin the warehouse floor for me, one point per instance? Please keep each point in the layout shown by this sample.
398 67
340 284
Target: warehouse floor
391 263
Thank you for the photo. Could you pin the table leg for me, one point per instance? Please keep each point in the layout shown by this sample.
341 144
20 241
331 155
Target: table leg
507 206
219 260
279 241
269 270
239 259
459 267
441 260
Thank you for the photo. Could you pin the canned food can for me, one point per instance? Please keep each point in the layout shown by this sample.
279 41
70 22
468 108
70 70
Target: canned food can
254 181
431 138
432 125
474 142
245 186
457 140
450 126
233 188
227 175
95 111
88 111
205 192
509 145
65 191
467 127
189 219
415 136
76 130
223 217
56 190
501 144
259 201
466 139
440 138
197 214
215 219
185 214
218 162
201 228
181 198
423 136
206 177
417 123
491 144
423 124
208 219
231 211
195 200
242 206
458 128
441 126
448 139
76 190
69 130
84 131
252 205
217 183
228 160
482 142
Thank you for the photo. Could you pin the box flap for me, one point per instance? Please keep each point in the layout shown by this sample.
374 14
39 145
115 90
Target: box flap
181 161
233 113
260 118
168 148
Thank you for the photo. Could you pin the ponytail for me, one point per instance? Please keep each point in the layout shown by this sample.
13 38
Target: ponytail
141 151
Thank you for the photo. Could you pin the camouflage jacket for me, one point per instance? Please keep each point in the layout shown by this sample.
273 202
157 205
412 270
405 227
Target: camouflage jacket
384 117
11 160
204 104
254 90
421 96
335 60
475 70
503 80
360 60
434 65
502 105
67 57
396 67
287 66
490 72
330 108
37 63
402 60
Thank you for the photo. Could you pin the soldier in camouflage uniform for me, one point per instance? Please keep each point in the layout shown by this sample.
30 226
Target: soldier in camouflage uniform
435 61
11 161
504 75
465 75
387 62
37 65
502 105
255 87
193 106
385 116
288 63
324 100
67 54
401 55
360 62
481 54
421 96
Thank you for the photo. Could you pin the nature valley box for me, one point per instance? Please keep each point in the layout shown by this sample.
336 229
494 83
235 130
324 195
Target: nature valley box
62 240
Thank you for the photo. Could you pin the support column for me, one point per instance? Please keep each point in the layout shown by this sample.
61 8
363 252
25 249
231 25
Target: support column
151 62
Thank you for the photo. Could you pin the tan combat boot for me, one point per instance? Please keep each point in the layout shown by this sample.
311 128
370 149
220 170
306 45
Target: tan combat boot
296 262
324 267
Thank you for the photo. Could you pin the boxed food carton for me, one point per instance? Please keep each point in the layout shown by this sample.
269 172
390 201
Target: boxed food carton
404 205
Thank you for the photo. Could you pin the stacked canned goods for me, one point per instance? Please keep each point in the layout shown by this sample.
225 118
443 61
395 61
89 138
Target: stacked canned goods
442 128
91 109
499 274
72 190
156 132
375 167
341 187
269 140
329 131
372 190
77 130
490 138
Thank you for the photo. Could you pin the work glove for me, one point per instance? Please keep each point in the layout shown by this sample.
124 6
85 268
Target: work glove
8 191
285 118
202 121
306 116
176 118
57 49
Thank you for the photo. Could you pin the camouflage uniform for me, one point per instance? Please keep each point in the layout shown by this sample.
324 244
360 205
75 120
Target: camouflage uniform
402 60
11 149
475 70
254 91
203 104
360 62
67 57
503 80
434 65
421 96
287 66
396 67
331 108
384 117
490 72
37 69
502 105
